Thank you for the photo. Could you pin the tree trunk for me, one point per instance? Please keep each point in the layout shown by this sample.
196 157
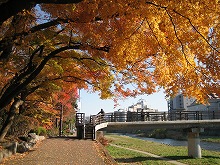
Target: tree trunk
11 115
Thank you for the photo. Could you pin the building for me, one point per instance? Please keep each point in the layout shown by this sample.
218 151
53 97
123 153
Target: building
212 105
141 105
211 110
179 103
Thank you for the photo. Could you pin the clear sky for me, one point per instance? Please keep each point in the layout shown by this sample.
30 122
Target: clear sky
91 103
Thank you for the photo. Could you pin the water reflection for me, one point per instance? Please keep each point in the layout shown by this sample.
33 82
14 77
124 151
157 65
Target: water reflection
204 145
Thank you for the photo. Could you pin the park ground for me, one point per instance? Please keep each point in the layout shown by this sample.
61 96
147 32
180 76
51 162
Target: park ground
120 150
65 151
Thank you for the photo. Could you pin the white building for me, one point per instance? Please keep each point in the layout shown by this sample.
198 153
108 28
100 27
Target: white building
179 103
213 104
141 105
211 110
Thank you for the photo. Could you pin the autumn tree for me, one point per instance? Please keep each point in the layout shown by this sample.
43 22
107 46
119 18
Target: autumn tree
65 102
106 45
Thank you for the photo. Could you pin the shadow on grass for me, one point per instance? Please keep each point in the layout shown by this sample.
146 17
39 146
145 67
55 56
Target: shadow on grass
209 157
143 158
188 157
148 158
134 159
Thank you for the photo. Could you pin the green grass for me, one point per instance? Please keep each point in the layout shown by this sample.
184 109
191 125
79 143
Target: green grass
123 156
176 153
211 139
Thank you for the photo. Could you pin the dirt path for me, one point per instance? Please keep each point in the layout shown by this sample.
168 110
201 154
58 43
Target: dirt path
63 151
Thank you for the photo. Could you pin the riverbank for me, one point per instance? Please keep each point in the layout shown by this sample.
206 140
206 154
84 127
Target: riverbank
209 135
179 153
205 144
210 139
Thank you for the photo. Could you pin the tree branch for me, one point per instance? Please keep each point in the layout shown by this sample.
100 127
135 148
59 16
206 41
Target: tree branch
197 31
10 92
181 44
13 7
190 22
141 23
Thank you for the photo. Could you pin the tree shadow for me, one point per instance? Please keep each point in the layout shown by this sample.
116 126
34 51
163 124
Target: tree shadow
188 157
135 159
209 157
149 158
66 138
178 157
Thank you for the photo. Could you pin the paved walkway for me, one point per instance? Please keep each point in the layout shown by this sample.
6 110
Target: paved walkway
63 151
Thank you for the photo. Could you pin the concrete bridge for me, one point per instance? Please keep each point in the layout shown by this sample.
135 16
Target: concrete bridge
193 121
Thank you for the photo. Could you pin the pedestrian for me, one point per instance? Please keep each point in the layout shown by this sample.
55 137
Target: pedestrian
142 115
101 115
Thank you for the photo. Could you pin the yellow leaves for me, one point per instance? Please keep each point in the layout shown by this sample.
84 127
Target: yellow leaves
53 86
159 42
163 43
56 66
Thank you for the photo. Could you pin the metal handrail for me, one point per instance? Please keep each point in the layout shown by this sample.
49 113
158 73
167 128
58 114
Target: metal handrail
147 116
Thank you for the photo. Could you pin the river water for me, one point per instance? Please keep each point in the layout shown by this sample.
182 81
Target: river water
172 142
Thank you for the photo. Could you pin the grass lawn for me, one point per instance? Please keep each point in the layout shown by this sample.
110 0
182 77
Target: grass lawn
123 156
211 139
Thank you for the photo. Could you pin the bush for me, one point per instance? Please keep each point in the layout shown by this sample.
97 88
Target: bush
39 131
159 133
22 126
53 132
103 141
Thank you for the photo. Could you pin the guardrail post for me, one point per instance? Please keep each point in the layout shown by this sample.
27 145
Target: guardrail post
164 116
180 115
186 116
93 133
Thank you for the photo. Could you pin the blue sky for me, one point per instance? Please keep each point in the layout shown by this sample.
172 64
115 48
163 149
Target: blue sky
91 103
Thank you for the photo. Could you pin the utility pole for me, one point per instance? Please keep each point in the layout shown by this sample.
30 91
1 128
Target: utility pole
61 120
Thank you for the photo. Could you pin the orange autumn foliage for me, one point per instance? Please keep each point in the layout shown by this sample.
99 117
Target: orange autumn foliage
109 45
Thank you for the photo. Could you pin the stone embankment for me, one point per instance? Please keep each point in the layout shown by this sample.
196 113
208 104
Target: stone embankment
8 149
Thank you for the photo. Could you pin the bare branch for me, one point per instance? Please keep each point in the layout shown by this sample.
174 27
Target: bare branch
181 44
196 30
13 7
154 35
141 23
193 26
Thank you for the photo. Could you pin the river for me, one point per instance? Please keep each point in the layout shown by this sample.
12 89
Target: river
172 142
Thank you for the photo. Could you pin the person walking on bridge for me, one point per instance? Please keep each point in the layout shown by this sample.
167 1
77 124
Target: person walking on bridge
101 114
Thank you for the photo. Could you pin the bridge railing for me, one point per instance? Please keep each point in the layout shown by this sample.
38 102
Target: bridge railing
161 116
194 115
147 116
185 115
135 116
97 119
